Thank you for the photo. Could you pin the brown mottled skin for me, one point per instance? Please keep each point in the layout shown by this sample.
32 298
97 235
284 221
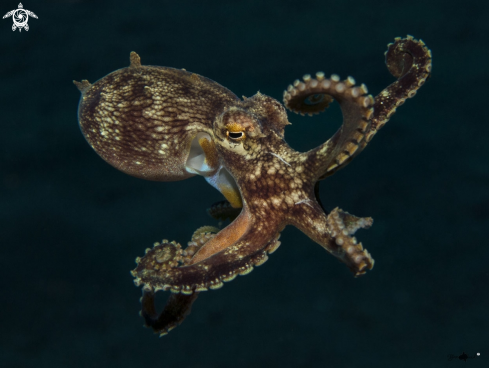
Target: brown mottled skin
144 120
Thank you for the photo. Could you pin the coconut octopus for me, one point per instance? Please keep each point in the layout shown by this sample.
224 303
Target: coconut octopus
166 124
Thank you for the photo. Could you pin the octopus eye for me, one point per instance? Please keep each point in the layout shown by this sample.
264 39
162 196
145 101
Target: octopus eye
236 136
314 99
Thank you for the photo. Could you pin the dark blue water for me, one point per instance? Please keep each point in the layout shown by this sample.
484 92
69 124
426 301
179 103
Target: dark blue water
71 225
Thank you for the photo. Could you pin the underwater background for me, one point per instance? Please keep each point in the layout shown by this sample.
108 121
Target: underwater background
72 225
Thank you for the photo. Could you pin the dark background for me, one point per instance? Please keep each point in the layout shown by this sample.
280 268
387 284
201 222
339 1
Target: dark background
71 225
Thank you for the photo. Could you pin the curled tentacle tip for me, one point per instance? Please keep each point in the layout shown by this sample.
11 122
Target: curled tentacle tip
405 53
156 263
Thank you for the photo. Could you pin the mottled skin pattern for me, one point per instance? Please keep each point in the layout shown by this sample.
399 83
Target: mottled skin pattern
166 124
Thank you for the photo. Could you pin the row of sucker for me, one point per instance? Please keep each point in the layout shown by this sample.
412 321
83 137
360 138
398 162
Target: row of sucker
407 59
201 236
155 275
242 268
342 226
163 257
167 255
313 95
157 260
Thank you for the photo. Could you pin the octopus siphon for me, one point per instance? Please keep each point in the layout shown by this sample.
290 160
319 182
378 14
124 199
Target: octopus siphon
166 124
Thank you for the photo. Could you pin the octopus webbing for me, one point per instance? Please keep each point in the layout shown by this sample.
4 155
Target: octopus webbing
166 124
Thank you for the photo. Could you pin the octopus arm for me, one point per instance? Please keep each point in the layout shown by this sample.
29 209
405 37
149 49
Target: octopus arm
158 270
313 96
176 309
220 259
334 232
407 59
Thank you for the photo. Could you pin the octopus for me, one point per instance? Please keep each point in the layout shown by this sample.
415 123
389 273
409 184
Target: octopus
165 124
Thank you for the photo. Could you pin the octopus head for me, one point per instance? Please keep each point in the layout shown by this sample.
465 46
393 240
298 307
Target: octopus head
249 127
